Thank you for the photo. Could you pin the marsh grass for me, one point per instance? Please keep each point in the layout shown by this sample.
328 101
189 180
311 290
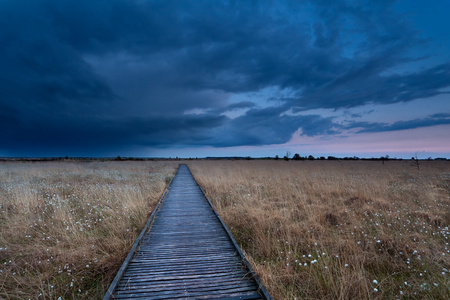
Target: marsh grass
338 229
67 226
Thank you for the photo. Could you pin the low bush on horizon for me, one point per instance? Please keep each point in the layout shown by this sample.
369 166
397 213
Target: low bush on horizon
335 229
66 227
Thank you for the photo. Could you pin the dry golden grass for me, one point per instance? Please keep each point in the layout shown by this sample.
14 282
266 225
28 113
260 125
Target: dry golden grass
338 229
66 227
312 229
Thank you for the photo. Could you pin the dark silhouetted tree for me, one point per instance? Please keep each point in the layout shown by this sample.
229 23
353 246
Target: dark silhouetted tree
296 156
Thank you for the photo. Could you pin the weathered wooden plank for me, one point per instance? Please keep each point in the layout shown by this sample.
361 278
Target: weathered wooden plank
181 285
188 253
195 295
187 258
252 296
133 266
155 271
168 293
178 274
141 281
161 263
211 290
205 276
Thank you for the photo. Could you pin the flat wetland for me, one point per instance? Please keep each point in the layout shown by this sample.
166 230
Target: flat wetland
66 227
311 229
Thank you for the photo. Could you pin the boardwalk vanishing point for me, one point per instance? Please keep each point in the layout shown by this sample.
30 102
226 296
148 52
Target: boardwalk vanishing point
187 253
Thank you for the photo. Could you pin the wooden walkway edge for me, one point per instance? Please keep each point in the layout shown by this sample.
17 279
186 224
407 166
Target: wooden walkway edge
185 251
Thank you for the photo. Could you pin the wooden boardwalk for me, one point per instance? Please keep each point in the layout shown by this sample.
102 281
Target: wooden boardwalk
187 254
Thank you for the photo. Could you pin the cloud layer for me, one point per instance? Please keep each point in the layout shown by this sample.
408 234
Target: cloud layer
88 77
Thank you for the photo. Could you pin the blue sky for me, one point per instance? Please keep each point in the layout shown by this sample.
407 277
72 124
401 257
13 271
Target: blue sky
224 78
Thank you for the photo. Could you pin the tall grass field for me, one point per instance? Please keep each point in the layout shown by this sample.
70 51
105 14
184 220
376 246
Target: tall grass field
338 229
66 227
311 229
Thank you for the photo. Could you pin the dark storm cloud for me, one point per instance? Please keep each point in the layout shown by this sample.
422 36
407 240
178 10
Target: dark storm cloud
268 126
106 73
377 89
74 136
432 120
37 65
243 104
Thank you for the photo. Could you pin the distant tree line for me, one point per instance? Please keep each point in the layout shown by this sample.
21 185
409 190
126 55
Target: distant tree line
287 157
297 156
